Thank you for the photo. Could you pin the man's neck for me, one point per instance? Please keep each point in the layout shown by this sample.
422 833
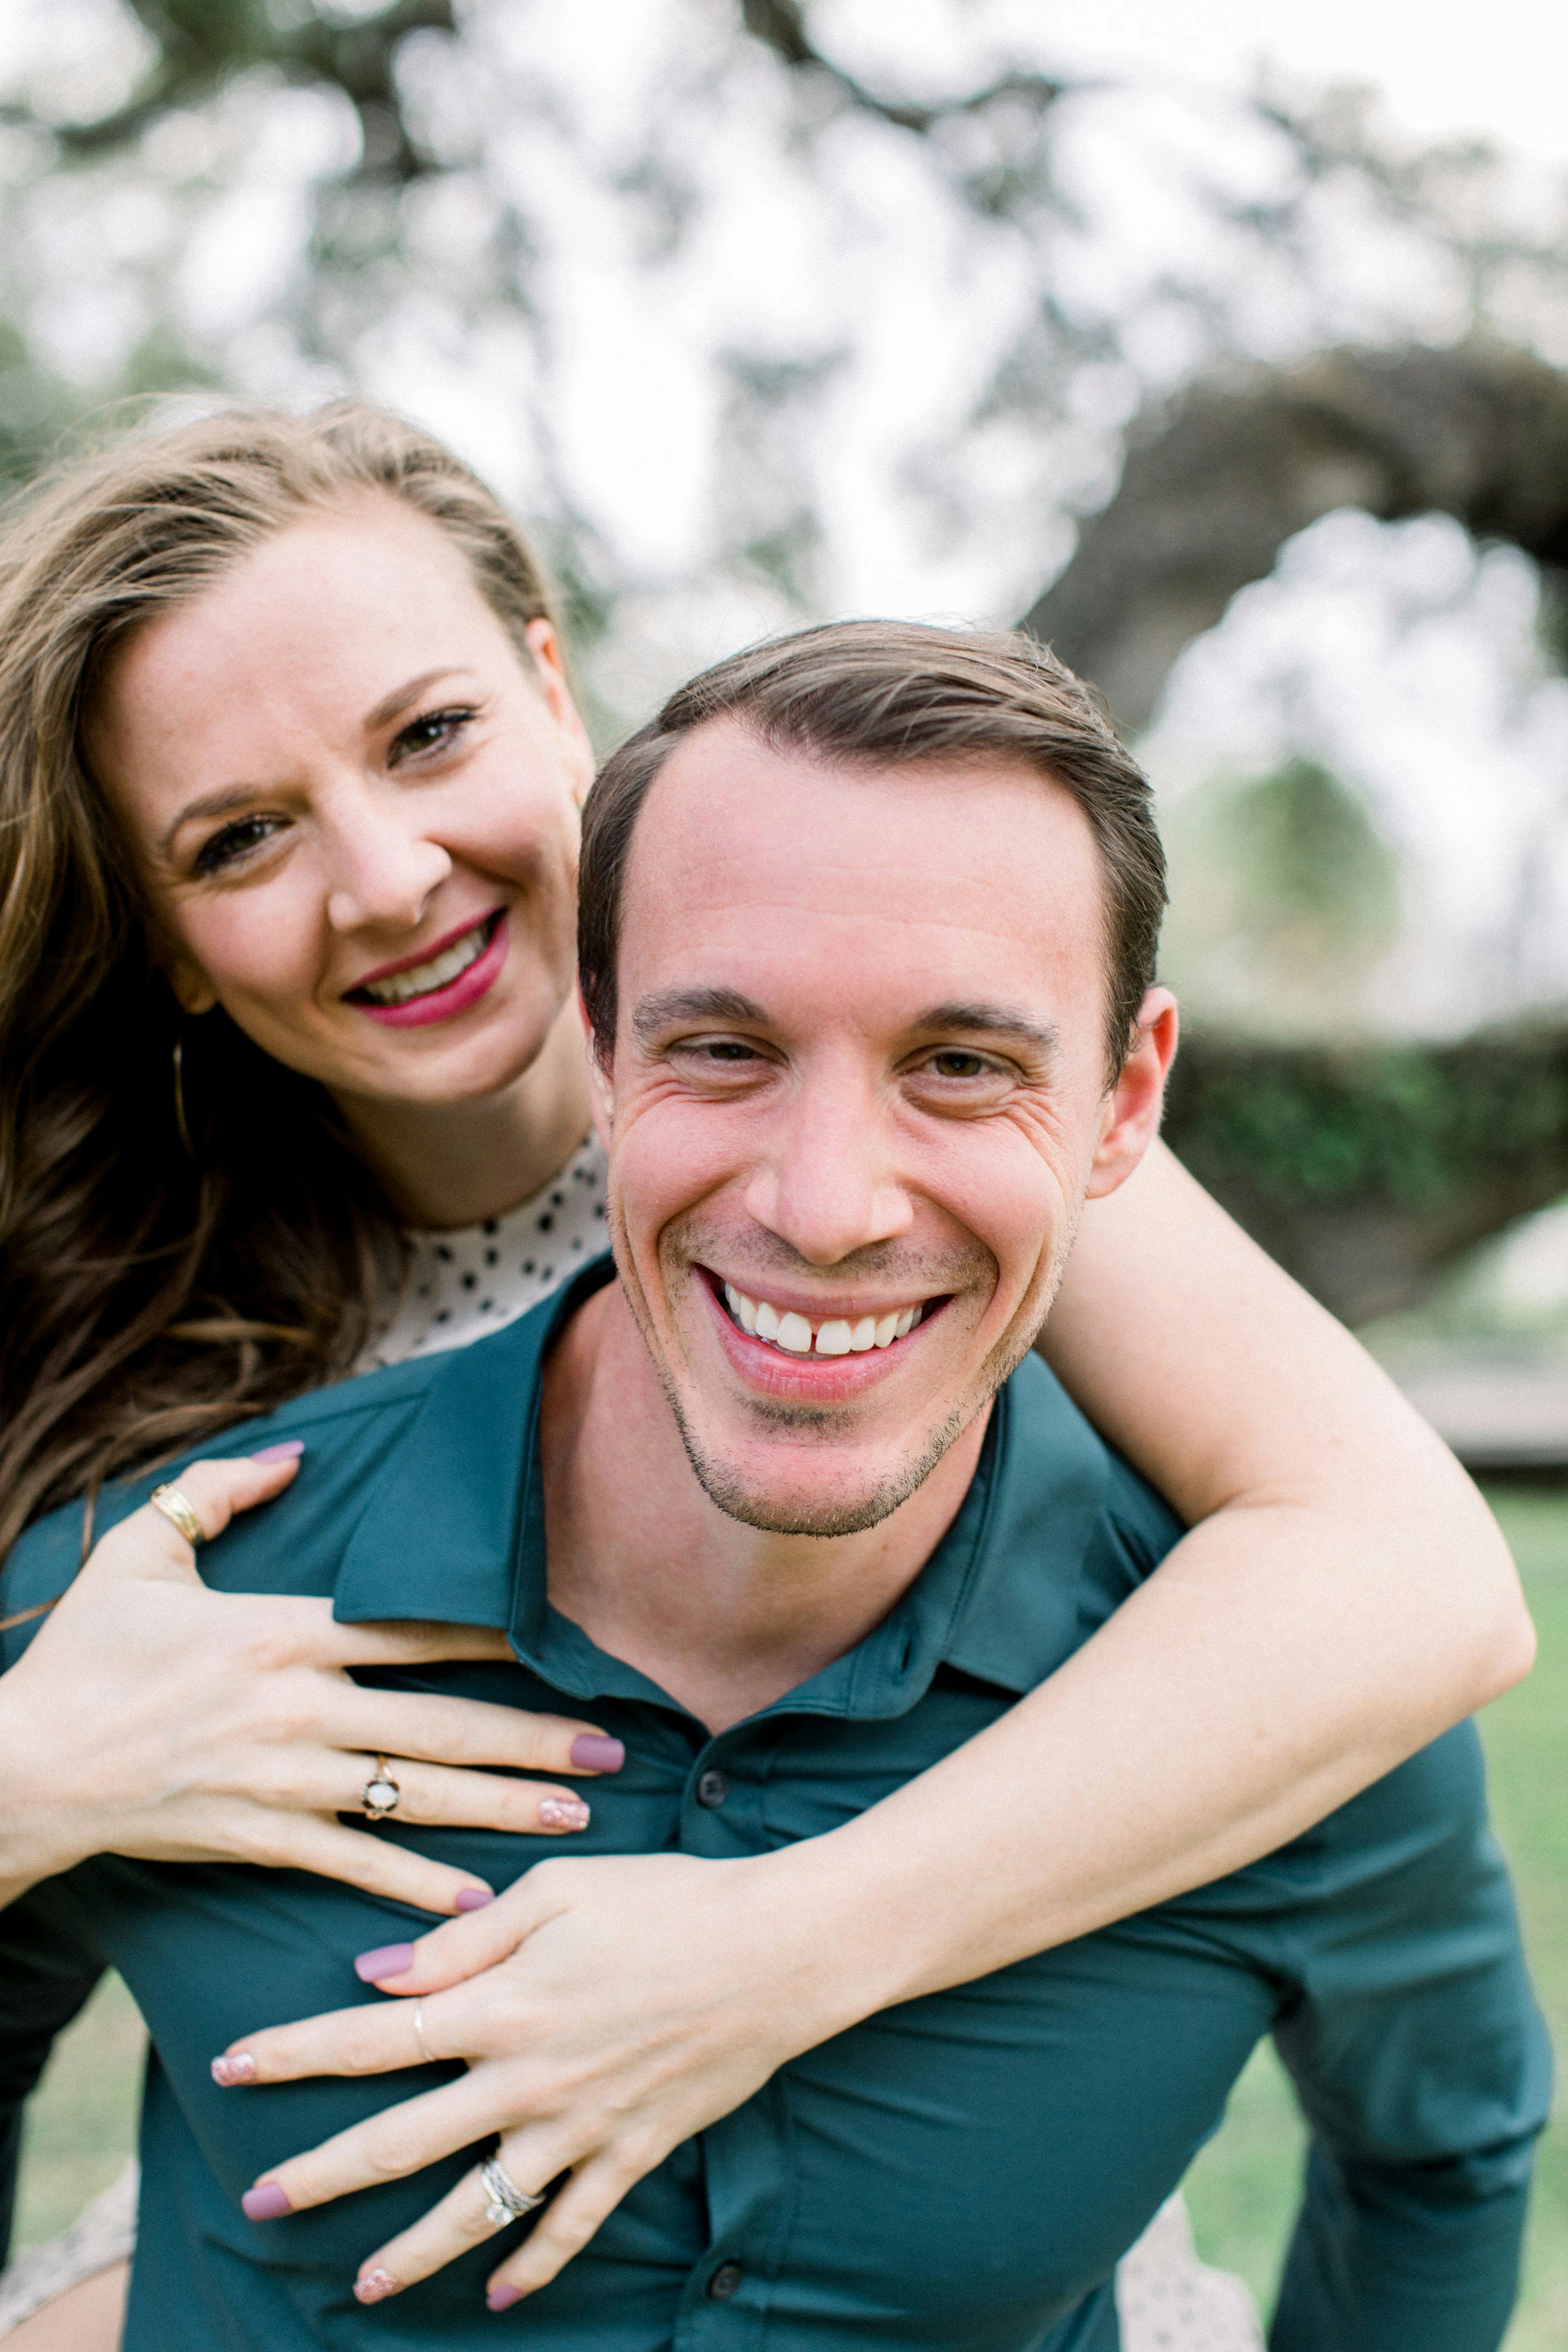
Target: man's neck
724 1617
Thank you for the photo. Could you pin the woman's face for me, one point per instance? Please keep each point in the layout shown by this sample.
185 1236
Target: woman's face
355 806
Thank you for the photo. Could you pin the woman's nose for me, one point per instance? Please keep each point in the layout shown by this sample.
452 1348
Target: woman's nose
385 878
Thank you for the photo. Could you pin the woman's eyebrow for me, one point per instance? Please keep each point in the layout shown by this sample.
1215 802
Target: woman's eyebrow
218 803
392 706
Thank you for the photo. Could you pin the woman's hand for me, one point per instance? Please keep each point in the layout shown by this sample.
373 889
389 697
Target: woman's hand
152 1717
584 2064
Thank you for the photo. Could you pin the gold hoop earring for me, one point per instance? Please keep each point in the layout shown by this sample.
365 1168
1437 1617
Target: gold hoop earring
180 1097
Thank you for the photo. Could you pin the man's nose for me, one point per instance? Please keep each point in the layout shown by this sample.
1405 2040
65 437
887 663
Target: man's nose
827 1183
384 867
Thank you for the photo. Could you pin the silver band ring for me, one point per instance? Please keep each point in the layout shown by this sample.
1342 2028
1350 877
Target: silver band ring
380 1795
176 1508
424 2050
508 2202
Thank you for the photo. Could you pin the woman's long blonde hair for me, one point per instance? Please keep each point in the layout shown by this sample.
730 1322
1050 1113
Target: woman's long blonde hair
186 1236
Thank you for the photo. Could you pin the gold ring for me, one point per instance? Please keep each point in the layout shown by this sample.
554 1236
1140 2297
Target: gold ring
176 1508
424 2050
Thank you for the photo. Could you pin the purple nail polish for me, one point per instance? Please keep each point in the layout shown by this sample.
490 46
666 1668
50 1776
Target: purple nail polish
592 1752
386 1961
265 2203
501 2299
289 1450
472 1898
563 1813
226 2071
374 2287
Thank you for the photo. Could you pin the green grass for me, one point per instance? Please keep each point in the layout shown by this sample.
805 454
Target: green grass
1243 2187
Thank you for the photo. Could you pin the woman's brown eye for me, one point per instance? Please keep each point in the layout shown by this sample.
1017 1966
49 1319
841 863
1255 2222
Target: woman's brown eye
428 733
233 842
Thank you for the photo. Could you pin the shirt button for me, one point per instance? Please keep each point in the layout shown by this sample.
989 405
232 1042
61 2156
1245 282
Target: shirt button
712 1789
724 2281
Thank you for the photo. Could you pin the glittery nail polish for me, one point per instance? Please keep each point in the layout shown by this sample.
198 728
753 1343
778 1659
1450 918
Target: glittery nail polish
226 2071
563 1813
374 2287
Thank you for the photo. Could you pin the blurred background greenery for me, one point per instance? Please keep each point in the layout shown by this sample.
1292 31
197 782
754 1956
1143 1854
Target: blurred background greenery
1243 380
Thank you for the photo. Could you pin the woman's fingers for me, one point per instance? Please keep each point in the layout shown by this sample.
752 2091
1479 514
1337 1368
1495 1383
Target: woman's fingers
307 1842
371 2038
461 2220
149 1542
564 2227
388 2147
462 1948
471 1731
432 1796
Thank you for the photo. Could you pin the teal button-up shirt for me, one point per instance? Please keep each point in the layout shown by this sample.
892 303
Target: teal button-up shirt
961 2172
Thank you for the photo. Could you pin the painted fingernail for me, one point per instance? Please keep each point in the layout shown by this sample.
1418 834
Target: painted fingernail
374 2287
472 1898
229 2071
563 1813
265 2203
592 1752
501 2299
386 1961
289 1450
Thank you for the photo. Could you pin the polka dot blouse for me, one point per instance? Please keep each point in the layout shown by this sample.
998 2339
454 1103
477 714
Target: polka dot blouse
471 1281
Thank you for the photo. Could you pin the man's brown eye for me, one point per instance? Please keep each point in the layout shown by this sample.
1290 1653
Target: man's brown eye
960 1066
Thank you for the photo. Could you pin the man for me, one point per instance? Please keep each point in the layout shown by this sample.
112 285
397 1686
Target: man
869 925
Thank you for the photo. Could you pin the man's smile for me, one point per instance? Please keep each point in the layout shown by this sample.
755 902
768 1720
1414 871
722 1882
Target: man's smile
836 1335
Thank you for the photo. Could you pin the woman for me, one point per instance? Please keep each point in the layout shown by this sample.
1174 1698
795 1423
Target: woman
290 1084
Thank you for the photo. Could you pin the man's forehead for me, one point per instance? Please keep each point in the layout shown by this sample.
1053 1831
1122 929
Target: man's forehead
733 820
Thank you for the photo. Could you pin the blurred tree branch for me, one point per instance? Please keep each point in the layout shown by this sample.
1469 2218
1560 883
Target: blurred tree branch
1216 480
780 26
204 44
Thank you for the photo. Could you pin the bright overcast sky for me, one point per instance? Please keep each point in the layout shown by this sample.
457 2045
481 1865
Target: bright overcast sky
1446 66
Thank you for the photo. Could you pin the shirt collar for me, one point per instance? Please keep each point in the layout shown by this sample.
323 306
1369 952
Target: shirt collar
455 1535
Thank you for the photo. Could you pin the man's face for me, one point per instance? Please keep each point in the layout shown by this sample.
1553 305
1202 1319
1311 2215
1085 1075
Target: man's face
859 1093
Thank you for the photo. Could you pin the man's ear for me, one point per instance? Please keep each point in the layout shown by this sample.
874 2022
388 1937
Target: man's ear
1129 1120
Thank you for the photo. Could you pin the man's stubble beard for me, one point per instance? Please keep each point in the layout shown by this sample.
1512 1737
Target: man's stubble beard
726 1492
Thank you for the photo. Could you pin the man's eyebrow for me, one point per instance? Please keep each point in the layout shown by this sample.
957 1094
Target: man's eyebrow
668 1006
990 1020
233 797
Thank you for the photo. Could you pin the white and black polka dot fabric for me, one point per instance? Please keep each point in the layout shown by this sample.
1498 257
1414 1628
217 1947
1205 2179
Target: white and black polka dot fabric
465 1283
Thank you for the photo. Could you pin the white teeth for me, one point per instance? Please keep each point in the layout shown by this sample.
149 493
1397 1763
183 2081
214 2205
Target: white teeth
837 1336
441 969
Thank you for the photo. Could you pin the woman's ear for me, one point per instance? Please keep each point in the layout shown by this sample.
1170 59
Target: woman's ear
544 644
194 992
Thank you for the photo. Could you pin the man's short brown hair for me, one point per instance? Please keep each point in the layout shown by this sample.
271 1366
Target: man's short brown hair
892 694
